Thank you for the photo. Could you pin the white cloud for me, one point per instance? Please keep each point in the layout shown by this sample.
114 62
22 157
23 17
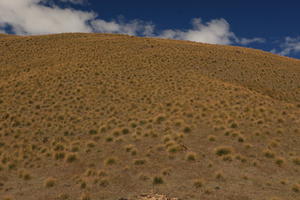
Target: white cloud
289 46
30 17
216 31
246 41
44 17
75 1
134 27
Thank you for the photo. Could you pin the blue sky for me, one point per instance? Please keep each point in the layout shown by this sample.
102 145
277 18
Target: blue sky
267 25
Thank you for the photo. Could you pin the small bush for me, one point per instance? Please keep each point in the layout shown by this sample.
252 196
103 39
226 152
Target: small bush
93 132
269 154
59 155
221 151
71 158
296 160
85 197
158 180
191 156
198 183
110 161
187 129
296 188
139 162
50 182
279 161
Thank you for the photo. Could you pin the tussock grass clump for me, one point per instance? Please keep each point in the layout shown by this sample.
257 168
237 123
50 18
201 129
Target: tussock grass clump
219 175
187 129
269 154
279 161
50 182
104 182
296 188
71 157
63 197
59 155
139 161
85 197
212 138
223 150
296 160
158 180
190 156
110 161
129 147
8 198
198 183
102 173
93 131
25 176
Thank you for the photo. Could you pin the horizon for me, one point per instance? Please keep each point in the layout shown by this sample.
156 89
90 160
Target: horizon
229 23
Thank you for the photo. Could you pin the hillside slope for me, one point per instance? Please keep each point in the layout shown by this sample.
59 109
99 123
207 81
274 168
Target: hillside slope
110 116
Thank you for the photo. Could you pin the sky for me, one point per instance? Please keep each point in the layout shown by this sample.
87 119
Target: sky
268 25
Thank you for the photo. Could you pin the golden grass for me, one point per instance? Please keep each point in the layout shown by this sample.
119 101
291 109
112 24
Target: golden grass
116 116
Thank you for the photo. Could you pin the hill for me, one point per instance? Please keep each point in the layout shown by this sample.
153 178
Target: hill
104 116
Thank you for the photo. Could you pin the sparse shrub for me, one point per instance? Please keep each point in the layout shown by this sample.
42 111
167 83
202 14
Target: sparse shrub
269 154
63 197
167 171
279 161
85 197
224 150
143 177
219 175
158 180
26 176
110 161
104 182
296 188
83 185
212 138
134 151
191 156
296 160
8 198
125 131
71 157
233 125
160 119
227 158
50 182
59 155
102 173
91 144
187 129
109 139
173 148
129 147
198 183
93 132
139 162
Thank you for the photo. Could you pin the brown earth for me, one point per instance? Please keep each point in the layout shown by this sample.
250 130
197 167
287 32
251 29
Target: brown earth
103 116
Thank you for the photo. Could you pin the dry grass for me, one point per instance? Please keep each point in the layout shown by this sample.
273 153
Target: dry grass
117 116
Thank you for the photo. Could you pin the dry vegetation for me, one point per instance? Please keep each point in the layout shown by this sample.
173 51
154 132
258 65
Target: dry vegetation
102 116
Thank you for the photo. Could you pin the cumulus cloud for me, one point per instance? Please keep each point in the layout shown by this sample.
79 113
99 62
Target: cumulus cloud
44 17
246 41
75 1
215 32
31 17
134 27
289 46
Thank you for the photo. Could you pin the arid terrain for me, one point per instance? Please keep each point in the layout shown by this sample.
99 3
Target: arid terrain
109 117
